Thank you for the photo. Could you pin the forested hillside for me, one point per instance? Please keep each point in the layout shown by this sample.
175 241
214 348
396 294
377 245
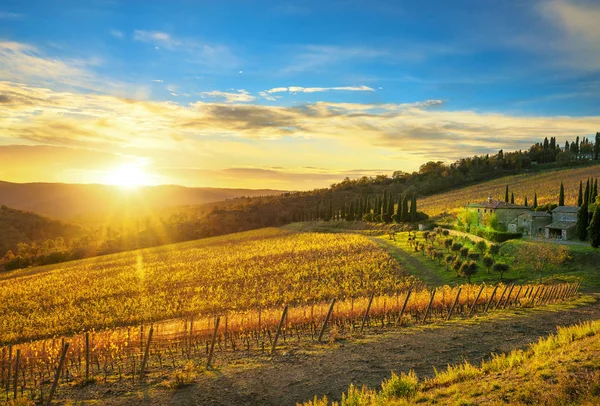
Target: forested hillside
18 227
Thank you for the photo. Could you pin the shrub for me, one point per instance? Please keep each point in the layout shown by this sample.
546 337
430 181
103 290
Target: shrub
403 386
473 255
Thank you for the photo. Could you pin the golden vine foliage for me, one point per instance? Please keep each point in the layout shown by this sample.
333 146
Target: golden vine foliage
262 268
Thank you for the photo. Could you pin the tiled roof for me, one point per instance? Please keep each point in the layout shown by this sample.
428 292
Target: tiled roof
496 204
562 224
566 209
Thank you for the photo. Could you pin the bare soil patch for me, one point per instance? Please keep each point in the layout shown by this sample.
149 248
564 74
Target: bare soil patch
300 375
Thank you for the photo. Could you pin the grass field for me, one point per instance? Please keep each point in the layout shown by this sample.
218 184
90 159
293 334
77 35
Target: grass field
583 266
262 268
546 184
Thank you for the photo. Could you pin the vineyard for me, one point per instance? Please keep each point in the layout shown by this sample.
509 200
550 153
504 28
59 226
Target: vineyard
545 184
35 370
263 268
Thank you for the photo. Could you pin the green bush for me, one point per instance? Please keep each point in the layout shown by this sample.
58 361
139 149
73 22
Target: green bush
497 236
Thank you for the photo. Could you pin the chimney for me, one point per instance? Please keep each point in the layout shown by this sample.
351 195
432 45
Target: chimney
490 199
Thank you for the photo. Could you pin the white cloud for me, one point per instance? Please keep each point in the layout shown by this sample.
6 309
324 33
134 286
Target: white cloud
299 89
242 96
414 129
10 16
268 96
117 34
25 63
578 38
213 55
156 37
277 90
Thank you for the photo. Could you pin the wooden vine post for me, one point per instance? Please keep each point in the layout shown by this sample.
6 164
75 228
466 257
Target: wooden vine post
454 304
16 381
501 297
212 342
399 320
487 306
87 356
508 296
429 306
61 363
146 352
8 373
326 320
279 326
476 299
364 320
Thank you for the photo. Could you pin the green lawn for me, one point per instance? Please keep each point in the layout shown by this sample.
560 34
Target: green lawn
584 264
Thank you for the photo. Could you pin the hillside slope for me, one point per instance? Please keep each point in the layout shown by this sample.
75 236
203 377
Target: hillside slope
546 184
17 226
69 201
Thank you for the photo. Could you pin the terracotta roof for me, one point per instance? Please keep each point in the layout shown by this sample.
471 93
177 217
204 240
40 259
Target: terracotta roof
496 204
562 225
566 209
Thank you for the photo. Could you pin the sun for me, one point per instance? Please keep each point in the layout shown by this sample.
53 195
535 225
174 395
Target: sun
128 176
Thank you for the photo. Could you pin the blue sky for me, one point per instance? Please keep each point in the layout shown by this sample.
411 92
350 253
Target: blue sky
382 78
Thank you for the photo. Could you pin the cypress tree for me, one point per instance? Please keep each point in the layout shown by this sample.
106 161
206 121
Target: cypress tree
399 210
512 198
405 215
535 200
595 192
384 204
582 222
413 208
587 195
597 147
580 196
561 196
526 201
350 214
506 195
594 229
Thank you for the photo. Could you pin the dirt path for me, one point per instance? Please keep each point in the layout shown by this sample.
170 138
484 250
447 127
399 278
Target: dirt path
299 376
418 269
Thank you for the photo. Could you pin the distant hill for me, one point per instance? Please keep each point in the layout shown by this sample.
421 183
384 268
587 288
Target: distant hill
546 184
79 201
17 226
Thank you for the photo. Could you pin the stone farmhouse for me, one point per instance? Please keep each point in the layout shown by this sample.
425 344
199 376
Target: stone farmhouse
561 224
564 223
506 213
533 223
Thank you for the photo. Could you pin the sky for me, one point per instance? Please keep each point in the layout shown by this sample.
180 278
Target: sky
286 95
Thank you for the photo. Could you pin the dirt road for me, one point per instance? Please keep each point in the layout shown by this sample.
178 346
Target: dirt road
299 376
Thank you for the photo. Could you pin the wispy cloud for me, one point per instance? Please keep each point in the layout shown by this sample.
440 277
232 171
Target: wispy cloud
409 129
156 38
10 16
116 34
579 32
197 52
25 63
242 96
299 89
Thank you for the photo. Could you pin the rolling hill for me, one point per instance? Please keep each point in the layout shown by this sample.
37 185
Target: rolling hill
92 202
18 226
546 184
